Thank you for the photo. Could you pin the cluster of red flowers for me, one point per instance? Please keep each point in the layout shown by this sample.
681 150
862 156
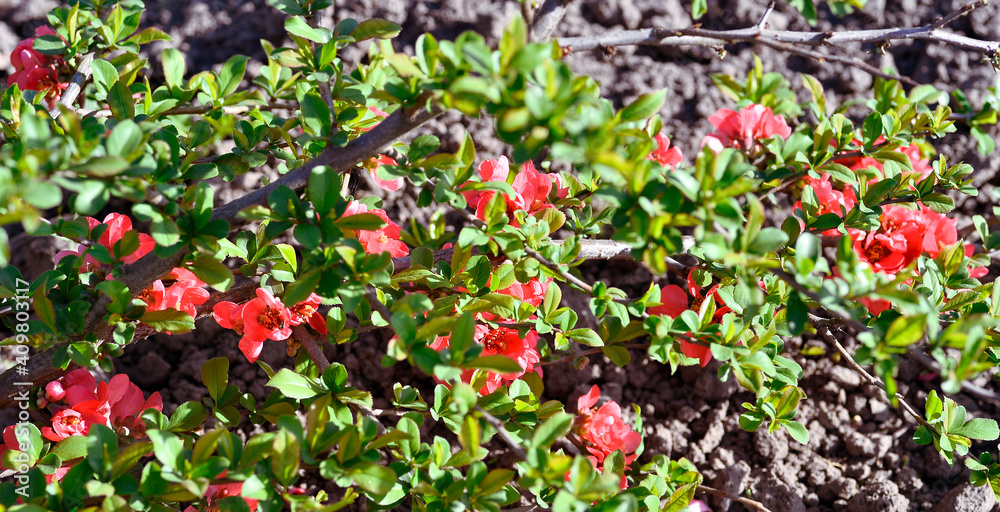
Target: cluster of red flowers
266 318
505 341
383 239
602 431
36 71
674 301
116 405
531 189
904 233
184 294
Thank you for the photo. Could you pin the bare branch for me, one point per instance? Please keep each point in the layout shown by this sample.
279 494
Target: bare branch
871 379
767 14
202 109
547 18
786 40
83 72
739 499
514 445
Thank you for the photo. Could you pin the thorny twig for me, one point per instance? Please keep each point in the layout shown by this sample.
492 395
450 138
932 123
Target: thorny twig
202 109
504 434
83 72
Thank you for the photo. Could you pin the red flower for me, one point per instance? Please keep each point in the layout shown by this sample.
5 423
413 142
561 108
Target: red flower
89 262
489 170
36 71
666 155
218 491
895 244
373 165
229 315
385 238
126 405
76 386
939 231
744 129
263 318
532 292
975 272
67 422
674 301
306 312
118 225
830 199
603 431
502 341
531 190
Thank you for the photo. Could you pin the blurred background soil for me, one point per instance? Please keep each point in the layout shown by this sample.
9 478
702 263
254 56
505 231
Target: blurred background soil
860 456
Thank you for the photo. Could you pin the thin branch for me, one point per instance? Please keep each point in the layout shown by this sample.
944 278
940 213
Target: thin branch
786 40
202 109
767 14
548 17
83 72
589 250
704 37
739 499
968 387
514 445
573 357
871 379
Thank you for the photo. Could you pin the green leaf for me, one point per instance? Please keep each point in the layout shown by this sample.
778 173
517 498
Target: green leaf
293 385
698 9
120 101
41 194
232 73
553 428
585 337
105 75
375 27
49 45
72 447
215 376
768 240
796 430
298 26
300 290
168 320
360 221
316 114
644 106
462 335
375 479
149 35
324 189
905 331
285 456
187 416
497 363
173 67
167 448
807 9
124 139
212 272
983 429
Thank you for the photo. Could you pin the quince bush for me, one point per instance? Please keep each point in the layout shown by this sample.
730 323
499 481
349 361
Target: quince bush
867 250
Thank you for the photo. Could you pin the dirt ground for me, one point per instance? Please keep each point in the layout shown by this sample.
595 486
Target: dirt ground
860 456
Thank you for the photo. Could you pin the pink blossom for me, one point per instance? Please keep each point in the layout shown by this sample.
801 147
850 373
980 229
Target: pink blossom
67 422
532 292
489 170
664 154
531 191
830 200
674 301
385 238
36 71
76 386
697 506
263 318
603 431
118 225
894 245
502 341
373 165
744 129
